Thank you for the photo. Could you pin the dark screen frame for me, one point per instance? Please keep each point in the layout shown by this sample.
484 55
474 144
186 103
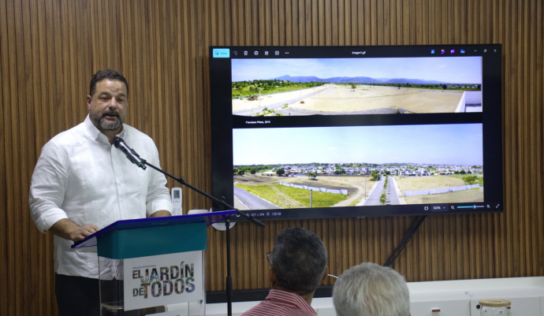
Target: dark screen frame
223 122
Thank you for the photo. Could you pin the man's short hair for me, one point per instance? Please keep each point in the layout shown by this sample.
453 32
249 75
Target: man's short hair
299 259
371 290
106 74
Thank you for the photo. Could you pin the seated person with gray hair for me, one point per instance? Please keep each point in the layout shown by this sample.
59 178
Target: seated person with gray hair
298 264
371 290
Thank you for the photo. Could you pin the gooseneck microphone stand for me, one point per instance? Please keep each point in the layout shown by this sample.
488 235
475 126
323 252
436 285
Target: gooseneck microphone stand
227 225
120 144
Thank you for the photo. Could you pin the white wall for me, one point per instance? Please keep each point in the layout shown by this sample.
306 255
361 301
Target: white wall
452 298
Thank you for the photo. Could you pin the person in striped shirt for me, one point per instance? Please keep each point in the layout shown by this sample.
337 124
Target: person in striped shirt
298 264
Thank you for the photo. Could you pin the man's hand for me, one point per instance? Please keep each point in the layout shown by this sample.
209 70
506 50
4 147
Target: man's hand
160 214
67 229
80 232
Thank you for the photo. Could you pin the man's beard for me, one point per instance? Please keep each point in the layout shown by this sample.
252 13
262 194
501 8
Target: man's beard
103 123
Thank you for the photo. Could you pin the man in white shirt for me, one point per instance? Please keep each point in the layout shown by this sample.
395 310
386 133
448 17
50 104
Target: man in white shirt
82 183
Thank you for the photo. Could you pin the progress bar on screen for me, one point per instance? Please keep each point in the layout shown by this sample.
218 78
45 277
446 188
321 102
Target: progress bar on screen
470 206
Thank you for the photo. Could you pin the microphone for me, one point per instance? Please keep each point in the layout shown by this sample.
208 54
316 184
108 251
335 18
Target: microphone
119 143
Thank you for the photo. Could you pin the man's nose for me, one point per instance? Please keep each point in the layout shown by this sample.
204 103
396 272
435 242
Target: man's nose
113 103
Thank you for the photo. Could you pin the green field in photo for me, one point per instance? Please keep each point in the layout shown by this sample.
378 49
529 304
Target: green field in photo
480 180
288 197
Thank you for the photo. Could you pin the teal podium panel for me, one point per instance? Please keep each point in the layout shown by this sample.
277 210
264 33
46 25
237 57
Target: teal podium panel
153 222
152 241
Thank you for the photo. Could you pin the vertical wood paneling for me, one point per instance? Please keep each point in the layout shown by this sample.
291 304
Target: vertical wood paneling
539 134
499 221
49 50
531 163
11 92
18 121
4 201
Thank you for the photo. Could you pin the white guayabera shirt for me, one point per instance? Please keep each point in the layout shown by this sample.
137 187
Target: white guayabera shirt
82 177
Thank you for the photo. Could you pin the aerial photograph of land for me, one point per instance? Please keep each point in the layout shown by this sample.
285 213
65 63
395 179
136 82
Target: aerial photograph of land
280 168
344 86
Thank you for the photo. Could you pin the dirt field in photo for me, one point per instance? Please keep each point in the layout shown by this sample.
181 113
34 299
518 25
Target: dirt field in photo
341 98
426 183
324 182
256 179
466 196
349 183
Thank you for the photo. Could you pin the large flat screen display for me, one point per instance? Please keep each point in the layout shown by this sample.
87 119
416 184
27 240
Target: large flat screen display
324 132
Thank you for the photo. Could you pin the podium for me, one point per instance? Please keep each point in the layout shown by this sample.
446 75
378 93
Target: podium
154 265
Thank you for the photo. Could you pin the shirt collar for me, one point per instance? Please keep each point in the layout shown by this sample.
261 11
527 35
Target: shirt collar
95 133
290 296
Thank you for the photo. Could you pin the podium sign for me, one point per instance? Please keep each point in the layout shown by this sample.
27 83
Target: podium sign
163 280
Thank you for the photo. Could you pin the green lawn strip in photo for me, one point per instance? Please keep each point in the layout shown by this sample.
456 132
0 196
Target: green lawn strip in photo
460 176
269 192
356 201
268 87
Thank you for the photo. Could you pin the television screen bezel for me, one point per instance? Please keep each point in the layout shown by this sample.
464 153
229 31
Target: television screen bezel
491 119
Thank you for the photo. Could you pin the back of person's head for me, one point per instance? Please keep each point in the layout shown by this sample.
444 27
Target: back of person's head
106 74
299 260
371 290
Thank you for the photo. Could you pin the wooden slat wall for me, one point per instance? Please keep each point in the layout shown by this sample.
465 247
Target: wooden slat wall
49 50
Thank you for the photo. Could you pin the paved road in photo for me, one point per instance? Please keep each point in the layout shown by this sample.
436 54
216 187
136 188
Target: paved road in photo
252 201
391 196
391 193
374 198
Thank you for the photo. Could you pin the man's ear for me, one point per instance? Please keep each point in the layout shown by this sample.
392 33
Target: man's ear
89 100
325 275
273 278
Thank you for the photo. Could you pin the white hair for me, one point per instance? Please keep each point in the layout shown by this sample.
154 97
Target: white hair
371 290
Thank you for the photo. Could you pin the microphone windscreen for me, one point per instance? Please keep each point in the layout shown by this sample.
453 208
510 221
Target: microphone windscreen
116 141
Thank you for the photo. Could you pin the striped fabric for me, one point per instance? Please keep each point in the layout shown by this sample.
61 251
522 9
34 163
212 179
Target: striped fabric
282 303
